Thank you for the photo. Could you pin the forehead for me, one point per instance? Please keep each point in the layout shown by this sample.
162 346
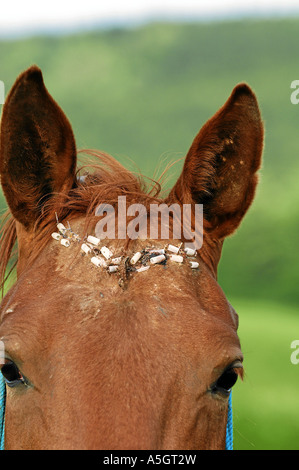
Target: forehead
174 295
163 321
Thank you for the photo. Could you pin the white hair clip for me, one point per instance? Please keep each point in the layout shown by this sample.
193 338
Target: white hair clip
106 252
142 269
158 259
99 262
56 236
141 260
85 248
176 258
194 264
112 269
93 240
136 257
62 229
190 252
159 251
173 249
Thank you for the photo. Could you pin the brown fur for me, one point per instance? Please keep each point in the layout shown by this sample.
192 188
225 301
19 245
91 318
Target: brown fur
108 180
109 367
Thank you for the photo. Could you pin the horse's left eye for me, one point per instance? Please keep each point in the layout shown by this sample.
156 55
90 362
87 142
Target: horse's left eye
11 374
228 379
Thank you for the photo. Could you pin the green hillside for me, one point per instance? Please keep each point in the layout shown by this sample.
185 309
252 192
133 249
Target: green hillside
142 95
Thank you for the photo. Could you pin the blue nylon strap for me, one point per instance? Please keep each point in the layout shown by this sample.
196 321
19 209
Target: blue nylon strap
2 411
229 426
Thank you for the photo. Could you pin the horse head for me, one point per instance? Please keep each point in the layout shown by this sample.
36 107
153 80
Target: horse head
141 356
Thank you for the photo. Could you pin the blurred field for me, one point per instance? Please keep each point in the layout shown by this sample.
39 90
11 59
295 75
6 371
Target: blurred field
142 95
265 404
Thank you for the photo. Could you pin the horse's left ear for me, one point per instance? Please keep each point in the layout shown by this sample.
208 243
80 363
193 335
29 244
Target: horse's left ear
37 148
221 165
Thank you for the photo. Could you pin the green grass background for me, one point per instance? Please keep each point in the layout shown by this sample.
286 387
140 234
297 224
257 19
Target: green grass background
265 404
142 94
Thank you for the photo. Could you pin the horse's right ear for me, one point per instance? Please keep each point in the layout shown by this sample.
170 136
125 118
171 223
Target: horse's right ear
220 169
37 148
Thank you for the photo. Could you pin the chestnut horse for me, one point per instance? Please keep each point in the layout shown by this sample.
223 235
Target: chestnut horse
131 360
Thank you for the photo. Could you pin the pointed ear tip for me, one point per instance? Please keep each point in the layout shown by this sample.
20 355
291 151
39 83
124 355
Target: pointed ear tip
243 95
243 89
28 80
33 73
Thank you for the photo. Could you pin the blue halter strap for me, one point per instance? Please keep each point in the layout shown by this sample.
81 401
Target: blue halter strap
2 411
229 426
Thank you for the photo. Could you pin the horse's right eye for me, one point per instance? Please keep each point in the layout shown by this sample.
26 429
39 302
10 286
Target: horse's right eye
228 379
12 374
